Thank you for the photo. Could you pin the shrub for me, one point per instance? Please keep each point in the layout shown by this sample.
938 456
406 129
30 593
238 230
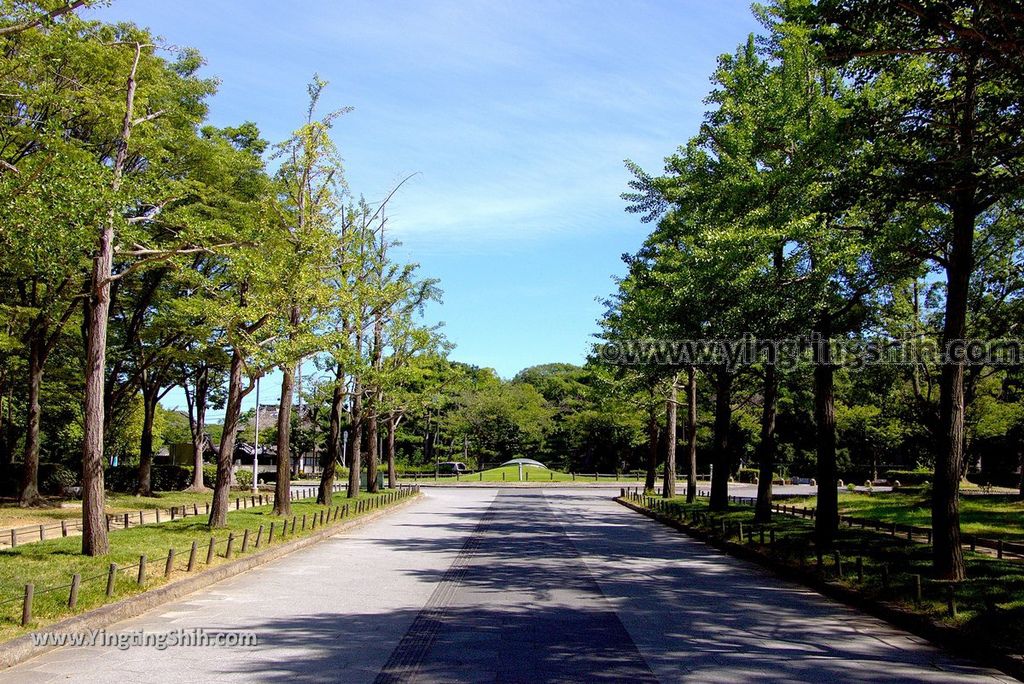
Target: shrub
121 478
171 478
56 478
243 477
209 475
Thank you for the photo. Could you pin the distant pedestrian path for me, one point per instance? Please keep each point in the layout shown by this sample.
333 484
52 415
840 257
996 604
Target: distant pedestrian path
512 585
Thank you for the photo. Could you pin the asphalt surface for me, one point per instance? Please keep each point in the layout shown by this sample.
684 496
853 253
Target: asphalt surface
523 585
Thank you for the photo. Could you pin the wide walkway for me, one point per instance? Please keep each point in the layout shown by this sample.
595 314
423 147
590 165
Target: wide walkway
524 585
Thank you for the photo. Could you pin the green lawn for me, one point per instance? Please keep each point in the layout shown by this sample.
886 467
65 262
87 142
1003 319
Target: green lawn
12 515
51 563
530 474
991 517
990 603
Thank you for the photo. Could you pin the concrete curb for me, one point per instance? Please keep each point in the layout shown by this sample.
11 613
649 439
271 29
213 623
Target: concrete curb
22 648
946 638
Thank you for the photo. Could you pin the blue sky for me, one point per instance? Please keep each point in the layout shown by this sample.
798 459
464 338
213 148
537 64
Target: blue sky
516 117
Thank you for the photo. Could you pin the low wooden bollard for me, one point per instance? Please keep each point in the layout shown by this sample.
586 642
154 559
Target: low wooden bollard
312 525
270 534
321 517
294 519
231 544
158 515
76 580
259 536
860 569
42 532
192 556
174 509
210 550
838 560
245 540
951 600
303 522
111 578
999 550
126 521
195 509
141 519
169 568
63 528
885 576
26 606
771 536
917 590
142 569
236 504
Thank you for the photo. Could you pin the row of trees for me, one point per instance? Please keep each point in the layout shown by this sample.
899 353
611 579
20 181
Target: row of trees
857 175
145 249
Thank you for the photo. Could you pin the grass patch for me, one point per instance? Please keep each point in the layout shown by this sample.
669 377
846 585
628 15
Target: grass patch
13 515
50 564
990 517
989 604
530 474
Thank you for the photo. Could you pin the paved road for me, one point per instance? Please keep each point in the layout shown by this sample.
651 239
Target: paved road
512 586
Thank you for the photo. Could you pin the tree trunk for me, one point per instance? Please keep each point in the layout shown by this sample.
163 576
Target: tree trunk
947 554
691 434
720 451
198 425
150 395
29 495
826 520
372 432
652 443
94 528
282 489
330 463
355 443
389 451
766 447
671 438
232 411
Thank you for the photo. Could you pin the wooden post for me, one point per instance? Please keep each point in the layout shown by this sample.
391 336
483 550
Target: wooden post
169 568
26 606
245 540
839 564
951 600
860 569
111 577
294 519
42 532
141 518
210 550
195 509
303 522
259 536
192 556
63 528
76 580
917 589
885 575
231 544
999 555
158 515
142 569
270 535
